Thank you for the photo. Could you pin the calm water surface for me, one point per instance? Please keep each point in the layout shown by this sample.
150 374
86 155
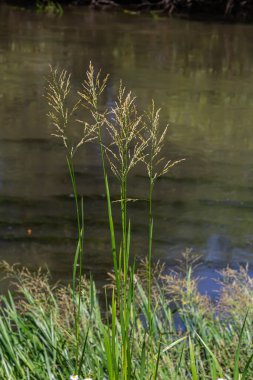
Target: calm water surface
201 74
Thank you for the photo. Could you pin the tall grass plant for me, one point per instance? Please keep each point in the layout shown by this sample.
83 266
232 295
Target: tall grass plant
58 332
134 138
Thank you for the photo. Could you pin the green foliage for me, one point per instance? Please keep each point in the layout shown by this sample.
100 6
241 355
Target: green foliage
49 6
37 340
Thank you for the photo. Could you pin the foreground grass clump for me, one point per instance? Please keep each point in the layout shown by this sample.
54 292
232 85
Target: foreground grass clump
212 339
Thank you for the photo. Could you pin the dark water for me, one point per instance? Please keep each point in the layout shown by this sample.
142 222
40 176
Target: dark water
201 74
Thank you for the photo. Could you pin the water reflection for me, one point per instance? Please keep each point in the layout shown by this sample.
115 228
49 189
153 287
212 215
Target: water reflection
200 73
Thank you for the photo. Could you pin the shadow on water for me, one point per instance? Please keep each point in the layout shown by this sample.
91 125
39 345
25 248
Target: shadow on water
200 74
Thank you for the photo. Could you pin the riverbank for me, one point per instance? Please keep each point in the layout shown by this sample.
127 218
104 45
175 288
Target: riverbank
192 337
223 10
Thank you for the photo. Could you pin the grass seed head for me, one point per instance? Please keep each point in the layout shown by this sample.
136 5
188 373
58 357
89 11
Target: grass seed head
125 128
63 111
156 164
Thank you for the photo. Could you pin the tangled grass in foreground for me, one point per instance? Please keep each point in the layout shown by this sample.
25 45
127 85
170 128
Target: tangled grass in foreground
37 341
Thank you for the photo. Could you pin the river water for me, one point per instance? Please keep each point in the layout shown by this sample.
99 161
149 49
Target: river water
201 74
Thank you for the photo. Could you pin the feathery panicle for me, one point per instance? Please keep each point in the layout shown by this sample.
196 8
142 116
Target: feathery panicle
62 113
57 92
92 87
156 165
125 129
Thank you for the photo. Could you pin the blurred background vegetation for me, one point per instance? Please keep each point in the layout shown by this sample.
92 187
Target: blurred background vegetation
224 9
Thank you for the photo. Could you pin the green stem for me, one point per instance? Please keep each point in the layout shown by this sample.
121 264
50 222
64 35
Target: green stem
124 228
126 365
125 271
150 244
108 198
78 260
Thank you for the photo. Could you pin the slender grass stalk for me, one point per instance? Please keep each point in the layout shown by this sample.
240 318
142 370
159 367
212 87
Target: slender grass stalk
78 262
156 166
236 375
116 262
194 371
125 151
150 243
92 88
154 377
